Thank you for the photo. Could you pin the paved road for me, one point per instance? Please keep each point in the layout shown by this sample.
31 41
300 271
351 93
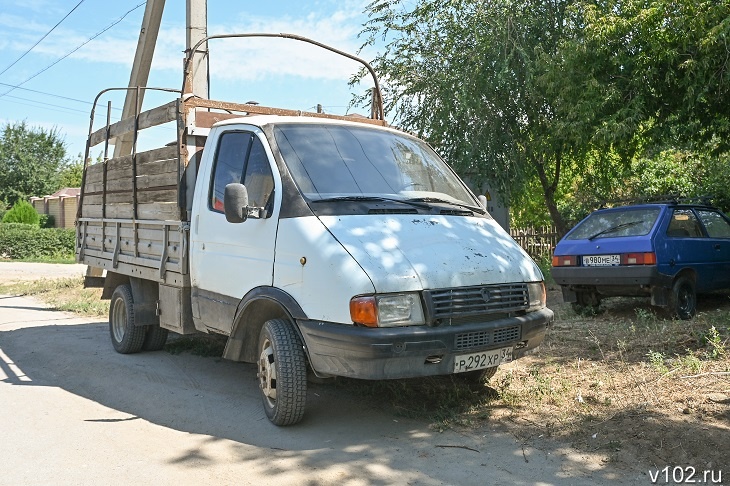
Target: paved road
25 271
72 411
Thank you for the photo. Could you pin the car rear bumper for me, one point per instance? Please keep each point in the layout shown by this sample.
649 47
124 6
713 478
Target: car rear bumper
614 281
405 352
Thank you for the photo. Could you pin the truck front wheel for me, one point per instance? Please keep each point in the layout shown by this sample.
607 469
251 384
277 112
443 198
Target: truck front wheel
126 337
282 372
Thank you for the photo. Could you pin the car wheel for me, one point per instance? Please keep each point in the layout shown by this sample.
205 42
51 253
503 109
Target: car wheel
282 372
476 377
126 337
683 300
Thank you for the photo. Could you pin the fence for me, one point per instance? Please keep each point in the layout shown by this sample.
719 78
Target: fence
537 242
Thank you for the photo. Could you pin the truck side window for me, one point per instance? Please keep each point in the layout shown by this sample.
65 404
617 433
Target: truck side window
228 166
259 180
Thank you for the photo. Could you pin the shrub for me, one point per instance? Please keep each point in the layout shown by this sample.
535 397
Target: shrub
22 241
22 212
46 221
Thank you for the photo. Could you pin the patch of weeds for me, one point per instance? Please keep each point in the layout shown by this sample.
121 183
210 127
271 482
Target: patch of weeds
690 362
714 344
199 345
656 360
645 317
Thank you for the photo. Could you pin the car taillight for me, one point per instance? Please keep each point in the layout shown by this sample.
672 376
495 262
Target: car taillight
565 261
638 259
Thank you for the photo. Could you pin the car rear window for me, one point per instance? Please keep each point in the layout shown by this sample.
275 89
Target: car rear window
615 224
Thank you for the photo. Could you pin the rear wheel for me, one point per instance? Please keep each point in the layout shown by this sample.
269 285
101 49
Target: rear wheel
155 338
683 299
126 337
282 372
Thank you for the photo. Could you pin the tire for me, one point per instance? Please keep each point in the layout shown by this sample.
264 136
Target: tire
282 372
683 299
126 337
477 377
155 338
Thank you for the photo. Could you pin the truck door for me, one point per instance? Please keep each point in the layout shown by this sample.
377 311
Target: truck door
227 259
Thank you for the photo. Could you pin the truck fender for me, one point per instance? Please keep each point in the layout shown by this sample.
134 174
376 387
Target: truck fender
258 306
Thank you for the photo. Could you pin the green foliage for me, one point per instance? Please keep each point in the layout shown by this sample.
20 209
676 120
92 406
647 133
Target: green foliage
29 161
22 212
70 173
22 241
46 221
561 105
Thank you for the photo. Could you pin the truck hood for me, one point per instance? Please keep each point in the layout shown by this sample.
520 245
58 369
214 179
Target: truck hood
413 253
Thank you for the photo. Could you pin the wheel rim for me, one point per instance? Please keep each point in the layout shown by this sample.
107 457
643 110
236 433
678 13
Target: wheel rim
685 300
119 319
267 373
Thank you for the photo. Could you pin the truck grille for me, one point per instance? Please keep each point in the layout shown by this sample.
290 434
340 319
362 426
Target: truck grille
487 299
475 339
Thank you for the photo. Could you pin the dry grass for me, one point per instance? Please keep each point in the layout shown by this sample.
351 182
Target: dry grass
65 294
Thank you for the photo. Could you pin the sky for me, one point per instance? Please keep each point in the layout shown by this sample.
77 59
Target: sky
93 49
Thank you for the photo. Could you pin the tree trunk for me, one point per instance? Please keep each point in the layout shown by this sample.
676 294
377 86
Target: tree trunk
548 189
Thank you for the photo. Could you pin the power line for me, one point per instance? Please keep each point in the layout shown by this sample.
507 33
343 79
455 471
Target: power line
76 49
41 39
15 86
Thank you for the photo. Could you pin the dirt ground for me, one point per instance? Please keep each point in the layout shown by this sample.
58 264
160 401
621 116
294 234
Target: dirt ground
629 385
626 389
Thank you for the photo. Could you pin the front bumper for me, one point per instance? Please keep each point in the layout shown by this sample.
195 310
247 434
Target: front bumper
406 352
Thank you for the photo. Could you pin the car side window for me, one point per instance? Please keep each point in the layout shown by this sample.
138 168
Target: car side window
241 158
715 224
684 224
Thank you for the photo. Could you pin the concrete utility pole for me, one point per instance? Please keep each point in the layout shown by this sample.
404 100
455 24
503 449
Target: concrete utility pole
197 29
141 68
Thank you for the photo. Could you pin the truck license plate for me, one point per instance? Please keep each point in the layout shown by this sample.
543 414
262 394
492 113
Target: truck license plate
601 260
481 360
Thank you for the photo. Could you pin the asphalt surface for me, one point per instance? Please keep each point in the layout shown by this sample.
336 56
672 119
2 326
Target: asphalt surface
72 411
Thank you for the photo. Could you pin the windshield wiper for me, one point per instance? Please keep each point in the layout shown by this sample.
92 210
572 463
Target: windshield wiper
615 228
444 201
409 202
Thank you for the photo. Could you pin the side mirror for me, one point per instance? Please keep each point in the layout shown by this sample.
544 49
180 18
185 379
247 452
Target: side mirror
482 200
235 203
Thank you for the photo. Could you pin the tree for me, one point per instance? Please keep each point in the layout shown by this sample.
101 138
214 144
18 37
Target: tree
522 93
70 173
472 78
662 63
29 161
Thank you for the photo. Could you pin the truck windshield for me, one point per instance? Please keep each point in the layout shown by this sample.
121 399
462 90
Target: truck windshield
336 161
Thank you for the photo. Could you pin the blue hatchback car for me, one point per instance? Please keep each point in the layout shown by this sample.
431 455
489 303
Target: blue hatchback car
669 251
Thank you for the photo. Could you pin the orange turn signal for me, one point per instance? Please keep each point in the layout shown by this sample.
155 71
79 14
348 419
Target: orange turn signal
364 311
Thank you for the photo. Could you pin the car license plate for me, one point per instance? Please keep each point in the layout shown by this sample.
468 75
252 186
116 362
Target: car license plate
601 260
481 360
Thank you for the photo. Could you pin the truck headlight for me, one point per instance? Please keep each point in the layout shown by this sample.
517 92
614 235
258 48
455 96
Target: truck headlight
536 295
389 310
